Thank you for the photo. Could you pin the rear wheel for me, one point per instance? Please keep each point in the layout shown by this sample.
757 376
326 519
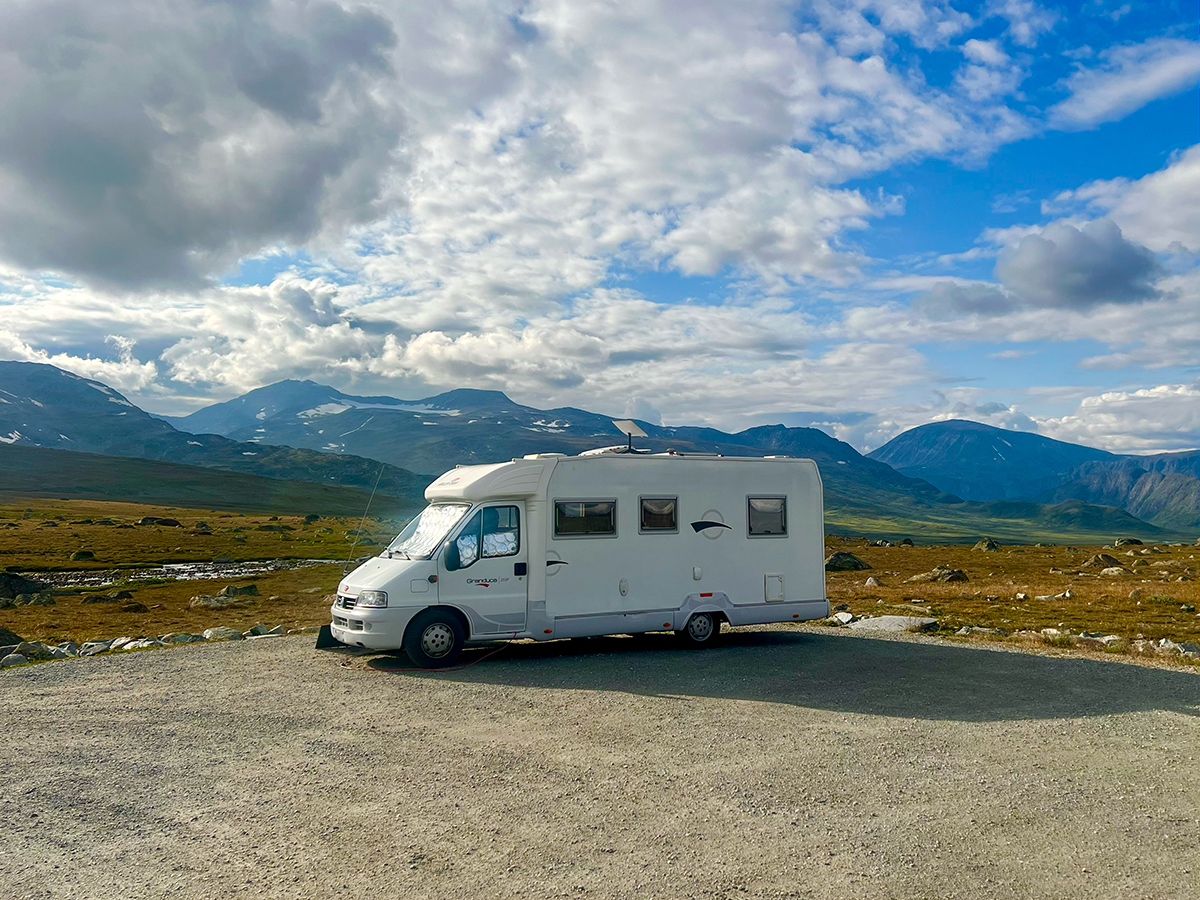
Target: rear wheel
702 630
434 639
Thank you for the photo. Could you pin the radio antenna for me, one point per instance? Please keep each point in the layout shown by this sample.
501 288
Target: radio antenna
362 521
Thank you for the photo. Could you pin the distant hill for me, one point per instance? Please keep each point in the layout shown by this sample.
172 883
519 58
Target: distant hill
44 406
41 472
432 434
979 462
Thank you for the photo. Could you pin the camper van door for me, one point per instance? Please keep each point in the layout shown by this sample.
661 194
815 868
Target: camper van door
483 568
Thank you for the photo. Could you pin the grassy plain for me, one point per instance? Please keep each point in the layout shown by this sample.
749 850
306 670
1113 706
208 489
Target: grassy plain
1148 602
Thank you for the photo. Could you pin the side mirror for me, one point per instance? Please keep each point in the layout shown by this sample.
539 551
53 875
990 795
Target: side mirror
451 558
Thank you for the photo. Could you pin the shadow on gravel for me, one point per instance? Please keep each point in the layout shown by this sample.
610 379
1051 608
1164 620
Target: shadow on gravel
846 674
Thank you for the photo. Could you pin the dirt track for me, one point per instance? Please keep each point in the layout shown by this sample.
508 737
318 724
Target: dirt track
786 763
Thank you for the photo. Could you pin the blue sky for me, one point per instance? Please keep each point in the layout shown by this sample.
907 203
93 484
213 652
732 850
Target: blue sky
862 214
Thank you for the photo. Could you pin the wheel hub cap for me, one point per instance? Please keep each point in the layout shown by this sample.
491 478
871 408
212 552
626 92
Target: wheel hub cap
437 640
700 627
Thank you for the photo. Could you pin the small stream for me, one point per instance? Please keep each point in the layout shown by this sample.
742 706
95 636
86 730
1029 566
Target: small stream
177 571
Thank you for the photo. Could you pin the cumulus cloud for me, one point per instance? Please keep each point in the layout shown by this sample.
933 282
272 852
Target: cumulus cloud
1158 210
1163 417
1126 79
1065 266
1027 21
155 143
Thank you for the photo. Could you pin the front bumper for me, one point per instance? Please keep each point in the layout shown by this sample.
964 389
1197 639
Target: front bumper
374 629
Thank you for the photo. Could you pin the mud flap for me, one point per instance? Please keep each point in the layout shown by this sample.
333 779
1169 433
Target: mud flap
326 640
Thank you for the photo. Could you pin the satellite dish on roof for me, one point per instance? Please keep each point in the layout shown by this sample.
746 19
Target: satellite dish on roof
630 429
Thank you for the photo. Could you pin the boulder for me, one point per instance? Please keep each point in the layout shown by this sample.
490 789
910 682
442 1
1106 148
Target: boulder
895 624
1127 542
13 659
248 590
987 544
114 597
91 648
11 585
278 629
222 633
1115 570
120 643
9 637
205 601
1103 560
258 630
872 582
843 618
34 650
143 644
844 562
69 647
940 574
79 555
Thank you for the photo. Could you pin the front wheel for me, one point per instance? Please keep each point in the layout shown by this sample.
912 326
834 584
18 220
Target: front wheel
702 630
434 639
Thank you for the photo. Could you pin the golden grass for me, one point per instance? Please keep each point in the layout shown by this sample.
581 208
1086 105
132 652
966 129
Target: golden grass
29 543
1098 603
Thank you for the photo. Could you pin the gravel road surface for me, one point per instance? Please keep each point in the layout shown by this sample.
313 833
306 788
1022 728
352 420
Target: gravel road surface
786 763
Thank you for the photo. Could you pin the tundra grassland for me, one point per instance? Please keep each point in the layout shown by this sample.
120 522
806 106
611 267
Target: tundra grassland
1148 602
1023 588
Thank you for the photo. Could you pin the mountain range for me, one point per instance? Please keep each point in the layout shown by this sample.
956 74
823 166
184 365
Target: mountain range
979 462
312 432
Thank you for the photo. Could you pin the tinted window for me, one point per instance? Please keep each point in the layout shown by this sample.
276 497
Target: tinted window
659 514
572 517
767 515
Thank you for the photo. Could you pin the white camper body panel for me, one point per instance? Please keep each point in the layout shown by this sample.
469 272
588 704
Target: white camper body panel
629 580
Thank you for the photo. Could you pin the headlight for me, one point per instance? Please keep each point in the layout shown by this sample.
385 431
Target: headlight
372 598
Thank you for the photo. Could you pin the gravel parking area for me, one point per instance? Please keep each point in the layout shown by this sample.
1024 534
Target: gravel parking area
785 763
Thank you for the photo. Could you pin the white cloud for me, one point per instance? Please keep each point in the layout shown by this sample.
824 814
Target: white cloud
988 53
1128 78
1158 210
1027 21
1164 417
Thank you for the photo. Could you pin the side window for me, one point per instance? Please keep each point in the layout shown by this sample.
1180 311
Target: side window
501 531
583 518
493 531
659 514
767 516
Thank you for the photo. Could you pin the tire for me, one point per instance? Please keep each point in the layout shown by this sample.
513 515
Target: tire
434 639
703 629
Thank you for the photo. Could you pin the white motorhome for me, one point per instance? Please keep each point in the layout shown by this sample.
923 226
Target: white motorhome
551 546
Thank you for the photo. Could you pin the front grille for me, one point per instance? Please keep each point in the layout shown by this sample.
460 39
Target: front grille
340 622
346 602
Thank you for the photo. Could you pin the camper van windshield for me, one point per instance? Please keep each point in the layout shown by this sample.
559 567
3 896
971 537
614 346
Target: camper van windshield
422 535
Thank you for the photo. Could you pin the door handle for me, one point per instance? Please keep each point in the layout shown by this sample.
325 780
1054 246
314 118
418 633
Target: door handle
520 568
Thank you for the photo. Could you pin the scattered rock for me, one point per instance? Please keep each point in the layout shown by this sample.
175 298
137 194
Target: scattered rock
207 601
222 633
69 647
1103 560
1127 542
977 629
80 555
275 528
903 542
1135 594
134 607
844 562
1021 596
248 590
156 520
895 623
92 648
34 650
1115 570
987 544
9 637
310 518
873 582
143 643
119 643
879 543
843 618
13 659
939 573
114 597
11 585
